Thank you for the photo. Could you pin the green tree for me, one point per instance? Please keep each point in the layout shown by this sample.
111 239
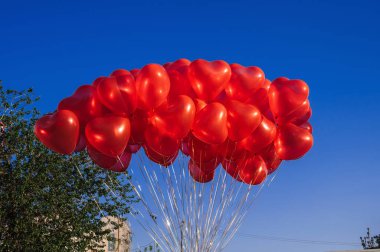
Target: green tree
48 201
370 242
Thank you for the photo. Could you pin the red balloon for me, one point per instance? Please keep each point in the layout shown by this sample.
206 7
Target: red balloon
231 150
158 158
303 119
84 103
222 98
97 81
242 119
244 81
185 145
198 174
259 99
177 64
100 159
199 104
175 118
298 116
153 86
232 169
268 114
201 151
292 142
120 72
109 134
264 134
122 163
118 94
253 170
271 158
58 131
179 82
210 124
81 145
207 166
135 72
266 84
285 96
307 126
208 79
109 163
139 122
133 148
159 141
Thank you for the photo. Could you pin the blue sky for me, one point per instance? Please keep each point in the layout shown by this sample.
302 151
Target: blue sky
332 193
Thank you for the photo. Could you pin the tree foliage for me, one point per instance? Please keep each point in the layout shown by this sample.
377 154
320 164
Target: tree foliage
370 242
48 201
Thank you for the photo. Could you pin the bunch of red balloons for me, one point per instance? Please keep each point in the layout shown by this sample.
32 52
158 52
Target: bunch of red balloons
214 112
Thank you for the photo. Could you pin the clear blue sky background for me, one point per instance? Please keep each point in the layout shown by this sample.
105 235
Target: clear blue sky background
332 193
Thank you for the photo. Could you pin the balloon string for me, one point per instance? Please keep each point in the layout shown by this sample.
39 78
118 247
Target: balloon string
184 215
157 202
195 208
274 176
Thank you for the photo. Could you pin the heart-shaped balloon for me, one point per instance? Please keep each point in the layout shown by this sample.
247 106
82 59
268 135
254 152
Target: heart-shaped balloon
177 64
139 122
118 94
198 174
303 119
201 151
122 162
242 119
152 86
299 116
244 81
199 104
307 126
259 99
161 142
81 144
207 166
222 98
231 150
253 170
271 158
158 158
208 79
264 135
110 163
292 142
179 82
84 103
135 72
133 148
58 131
120 72
176 117
97 81
286 95
185 146
109 134
231 168
266 84
210 124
